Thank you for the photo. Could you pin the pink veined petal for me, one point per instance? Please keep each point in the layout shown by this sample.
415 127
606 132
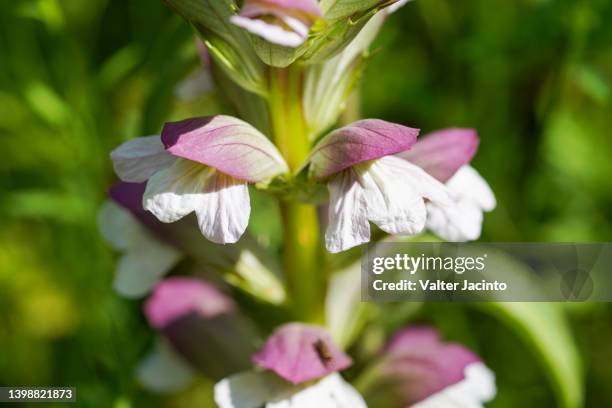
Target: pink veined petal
227 144
178 297
300 352
361 141
443 152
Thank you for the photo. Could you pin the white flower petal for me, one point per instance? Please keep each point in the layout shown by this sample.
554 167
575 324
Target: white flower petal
330 392
176 191
462 221
255 389
117 226
145 259
348 224
224 209
143 264
250 389
456 223
477 388
469 183
163 371
270 32
426 185
138 159
395 192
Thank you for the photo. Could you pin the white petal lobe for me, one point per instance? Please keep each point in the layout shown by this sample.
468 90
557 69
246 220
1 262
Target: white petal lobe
462 221
143 265
138 159
117 226
256 389
348 223
250 389
176 191
145 259
163 371
395 192
224 209
477 388
330 392
469 183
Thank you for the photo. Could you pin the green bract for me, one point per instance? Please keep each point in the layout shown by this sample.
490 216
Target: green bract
229 45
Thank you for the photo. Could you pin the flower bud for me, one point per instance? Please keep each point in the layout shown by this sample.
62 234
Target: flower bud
203 326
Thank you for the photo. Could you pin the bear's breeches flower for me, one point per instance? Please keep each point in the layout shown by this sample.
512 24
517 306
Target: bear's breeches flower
201 165
302 364
446 155
419 370
368 184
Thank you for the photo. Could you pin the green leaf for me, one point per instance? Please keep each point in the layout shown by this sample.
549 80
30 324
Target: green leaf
544 327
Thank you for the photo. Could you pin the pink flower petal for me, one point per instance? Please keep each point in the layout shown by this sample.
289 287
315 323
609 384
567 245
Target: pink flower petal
443 152
299 352
230 145
358 142
423 364
175 298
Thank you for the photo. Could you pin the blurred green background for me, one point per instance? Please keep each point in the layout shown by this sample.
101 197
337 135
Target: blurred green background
79 77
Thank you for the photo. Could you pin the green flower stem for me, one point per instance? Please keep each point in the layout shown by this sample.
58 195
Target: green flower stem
302 249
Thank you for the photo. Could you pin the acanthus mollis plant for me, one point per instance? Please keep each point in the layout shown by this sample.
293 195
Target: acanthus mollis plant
262 324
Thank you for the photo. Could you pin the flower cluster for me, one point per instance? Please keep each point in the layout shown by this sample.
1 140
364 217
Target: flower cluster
186 193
